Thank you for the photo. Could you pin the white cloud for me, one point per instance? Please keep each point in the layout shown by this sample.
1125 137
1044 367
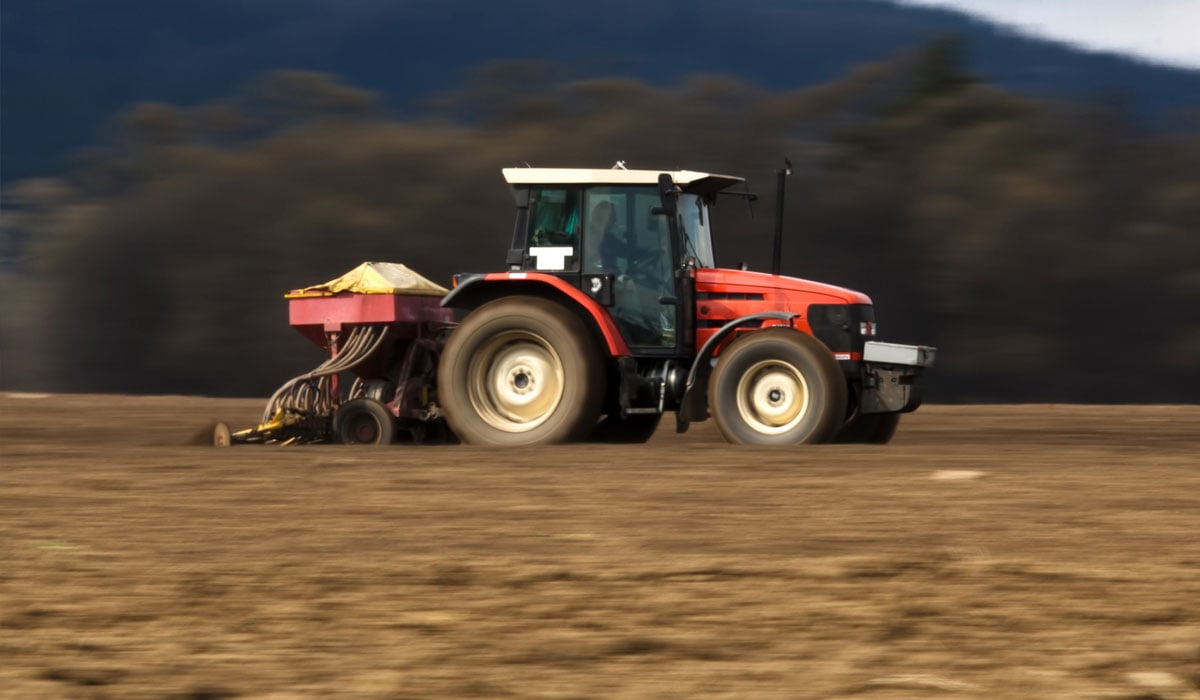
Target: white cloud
1159 31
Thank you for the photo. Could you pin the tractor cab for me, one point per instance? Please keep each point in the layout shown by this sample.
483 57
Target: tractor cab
611 234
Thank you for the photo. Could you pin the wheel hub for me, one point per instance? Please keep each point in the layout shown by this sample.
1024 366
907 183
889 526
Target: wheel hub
365 430
773 397
517 382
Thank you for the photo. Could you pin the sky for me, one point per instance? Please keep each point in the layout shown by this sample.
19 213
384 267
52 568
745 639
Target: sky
1157 31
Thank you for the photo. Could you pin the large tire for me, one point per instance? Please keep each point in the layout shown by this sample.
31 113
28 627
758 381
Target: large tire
521 371
631 430
871 429
777 387
364 422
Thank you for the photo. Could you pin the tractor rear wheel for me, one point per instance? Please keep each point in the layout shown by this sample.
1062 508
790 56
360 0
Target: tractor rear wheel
520 371
777 387
871 429
363 422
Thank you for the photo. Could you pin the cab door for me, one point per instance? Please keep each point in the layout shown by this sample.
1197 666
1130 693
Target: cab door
629 265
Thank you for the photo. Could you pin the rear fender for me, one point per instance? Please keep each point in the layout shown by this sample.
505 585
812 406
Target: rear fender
473 291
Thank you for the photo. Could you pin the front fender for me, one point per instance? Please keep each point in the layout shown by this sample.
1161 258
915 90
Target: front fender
693 406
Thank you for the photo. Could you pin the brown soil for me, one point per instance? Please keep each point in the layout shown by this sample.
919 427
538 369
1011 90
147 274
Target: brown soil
990 551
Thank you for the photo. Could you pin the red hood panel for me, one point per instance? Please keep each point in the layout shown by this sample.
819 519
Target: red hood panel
790 288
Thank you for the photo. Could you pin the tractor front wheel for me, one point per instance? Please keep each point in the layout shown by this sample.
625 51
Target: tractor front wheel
520 371
777 387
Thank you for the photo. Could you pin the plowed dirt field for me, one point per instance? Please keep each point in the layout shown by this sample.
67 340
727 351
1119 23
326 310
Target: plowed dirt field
990 551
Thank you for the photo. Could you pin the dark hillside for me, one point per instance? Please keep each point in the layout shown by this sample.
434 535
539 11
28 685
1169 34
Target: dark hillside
68 66
1048 250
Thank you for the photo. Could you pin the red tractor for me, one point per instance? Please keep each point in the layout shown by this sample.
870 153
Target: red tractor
611 312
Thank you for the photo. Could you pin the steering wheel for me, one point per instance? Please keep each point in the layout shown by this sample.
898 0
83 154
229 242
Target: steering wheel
644 266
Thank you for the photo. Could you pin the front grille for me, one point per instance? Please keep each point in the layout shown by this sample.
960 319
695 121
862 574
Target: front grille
838 325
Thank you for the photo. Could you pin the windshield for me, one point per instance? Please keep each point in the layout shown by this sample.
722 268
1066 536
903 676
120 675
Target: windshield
693 213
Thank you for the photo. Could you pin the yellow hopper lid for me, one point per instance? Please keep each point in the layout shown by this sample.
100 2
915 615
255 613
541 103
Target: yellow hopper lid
374 278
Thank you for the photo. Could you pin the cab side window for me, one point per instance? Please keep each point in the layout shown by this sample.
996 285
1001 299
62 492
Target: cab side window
553 229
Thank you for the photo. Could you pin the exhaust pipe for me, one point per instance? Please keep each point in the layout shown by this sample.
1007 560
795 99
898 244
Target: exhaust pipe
780 181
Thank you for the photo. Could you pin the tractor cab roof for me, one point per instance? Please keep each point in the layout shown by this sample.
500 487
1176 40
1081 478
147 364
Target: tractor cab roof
688 180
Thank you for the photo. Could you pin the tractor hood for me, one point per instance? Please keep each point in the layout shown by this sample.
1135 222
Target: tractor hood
776 287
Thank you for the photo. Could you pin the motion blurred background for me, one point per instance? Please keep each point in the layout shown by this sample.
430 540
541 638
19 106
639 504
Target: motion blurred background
1024 195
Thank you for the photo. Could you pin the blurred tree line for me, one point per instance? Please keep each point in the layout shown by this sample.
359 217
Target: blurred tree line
1049 250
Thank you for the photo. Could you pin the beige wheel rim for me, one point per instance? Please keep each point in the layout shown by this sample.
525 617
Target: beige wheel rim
772 397
516 381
